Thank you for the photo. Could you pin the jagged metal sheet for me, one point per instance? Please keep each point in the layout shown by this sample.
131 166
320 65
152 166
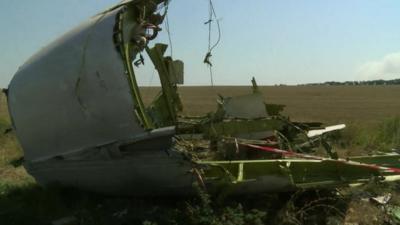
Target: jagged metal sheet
250 106
73 94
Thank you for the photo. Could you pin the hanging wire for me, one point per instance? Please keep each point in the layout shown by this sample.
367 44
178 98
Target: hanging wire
147 91
209 22
168 29
218 26
152 77
212 14
208 55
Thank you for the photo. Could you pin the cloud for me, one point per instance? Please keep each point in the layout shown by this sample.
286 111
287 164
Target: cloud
386 68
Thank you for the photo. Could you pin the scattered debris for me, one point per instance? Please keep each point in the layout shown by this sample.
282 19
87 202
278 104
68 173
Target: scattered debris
121 214
383 199
98 135
69 220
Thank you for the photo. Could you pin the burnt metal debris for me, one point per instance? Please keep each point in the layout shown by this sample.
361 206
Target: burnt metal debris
78 113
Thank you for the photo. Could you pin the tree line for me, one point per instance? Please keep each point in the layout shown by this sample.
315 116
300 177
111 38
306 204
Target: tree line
355 83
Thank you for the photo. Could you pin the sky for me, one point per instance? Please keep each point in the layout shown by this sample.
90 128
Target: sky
277 42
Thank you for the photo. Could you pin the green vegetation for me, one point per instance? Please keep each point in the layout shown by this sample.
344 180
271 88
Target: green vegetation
371 128
370 138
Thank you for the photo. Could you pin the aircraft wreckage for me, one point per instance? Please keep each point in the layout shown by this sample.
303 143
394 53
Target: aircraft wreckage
78 113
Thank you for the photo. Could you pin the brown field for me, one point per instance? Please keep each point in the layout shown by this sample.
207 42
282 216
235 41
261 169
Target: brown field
330 104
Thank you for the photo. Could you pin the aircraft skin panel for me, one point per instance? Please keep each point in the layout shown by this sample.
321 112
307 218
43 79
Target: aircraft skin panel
74 93
150 174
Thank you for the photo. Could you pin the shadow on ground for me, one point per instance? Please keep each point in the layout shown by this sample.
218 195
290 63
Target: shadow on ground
32 204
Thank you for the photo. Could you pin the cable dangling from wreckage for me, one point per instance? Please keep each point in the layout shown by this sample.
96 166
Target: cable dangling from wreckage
208 56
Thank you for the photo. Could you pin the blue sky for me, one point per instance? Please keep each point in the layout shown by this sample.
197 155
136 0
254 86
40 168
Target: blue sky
281 41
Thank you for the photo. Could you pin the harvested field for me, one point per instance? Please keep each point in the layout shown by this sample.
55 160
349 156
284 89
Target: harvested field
330 104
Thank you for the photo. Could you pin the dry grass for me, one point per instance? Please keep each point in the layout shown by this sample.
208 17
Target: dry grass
10 151
363 212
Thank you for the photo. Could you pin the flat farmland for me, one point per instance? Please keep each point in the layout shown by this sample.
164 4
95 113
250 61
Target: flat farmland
329 104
